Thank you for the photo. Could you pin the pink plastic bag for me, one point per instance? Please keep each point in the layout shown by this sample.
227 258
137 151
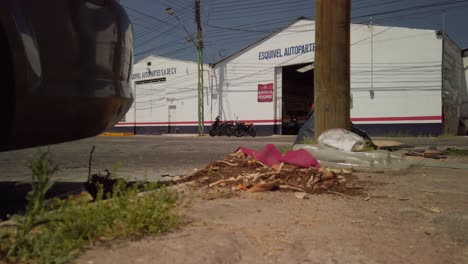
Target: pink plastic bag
270 156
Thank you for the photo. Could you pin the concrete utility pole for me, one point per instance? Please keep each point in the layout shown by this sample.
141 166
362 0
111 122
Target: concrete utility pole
332 65
201 111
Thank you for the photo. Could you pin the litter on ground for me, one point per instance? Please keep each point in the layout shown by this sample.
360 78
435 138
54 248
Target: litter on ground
241 172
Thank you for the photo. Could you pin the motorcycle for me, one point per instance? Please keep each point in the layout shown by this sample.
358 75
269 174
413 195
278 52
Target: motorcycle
240 129
219 128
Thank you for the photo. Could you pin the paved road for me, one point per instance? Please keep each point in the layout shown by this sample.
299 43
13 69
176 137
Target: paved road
149 157
140 157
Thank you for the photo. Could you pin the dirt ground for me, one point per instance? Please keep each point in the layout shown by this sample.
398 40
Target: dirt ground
415 216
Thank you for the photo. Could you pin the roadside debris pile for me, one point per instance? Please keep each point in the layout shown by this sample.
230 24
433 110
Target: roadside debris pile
240 171
430 153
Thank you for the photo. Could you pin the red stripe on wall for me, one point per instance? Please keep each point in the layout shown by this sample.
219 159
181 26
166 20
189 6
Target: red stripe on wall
404 118
357 119
193 122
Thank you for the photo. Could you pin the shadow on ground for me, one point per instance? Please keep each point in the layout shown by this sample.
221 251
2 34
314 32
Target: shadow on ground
13 195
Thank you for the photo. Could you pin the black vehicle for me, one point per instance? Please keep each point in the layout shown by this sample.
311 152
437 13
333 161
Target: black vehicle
240 129
67 70
219 128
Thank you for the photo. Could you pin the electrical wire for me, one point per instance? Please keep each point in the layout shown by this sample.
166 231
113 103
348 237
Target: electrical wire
251 32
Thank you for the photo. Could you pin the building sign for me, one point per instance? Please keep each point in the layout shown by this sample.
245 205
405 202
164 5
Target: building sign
265 93
155 73
285 52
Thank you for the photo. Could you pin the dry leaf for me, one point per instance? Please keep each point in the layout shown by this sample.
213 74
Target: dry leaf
277 167
263 187
241 187
301 195
328 175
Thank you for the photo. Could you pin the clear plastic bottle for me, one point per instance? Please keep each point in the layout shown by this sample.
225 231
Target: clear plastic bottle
371 160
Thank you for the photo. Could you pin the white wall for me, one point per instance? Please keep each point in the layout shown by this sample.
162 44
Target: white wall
239 76
406 73
405 76
152 100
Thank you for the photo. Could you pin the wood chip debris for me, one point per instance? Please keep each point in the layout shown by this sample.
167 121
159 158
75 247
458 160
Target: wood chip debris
239 172
429 154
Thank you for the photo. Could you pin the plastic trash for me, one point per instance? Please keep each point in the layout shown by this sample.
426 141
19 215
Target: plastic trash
372 160
307 131
270 156
342 139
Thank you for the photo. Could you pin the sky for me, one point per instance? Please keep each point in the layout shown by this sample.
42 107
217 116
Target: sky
229 26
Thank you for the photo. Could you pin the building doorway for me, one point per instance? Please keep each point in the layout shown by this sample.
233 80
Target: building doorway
171 118
297 96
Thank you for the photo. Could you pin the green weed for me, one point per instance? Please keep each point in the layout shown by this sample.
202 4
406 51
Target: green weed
400 134
42 169
447 135
58 233
457 151
309 141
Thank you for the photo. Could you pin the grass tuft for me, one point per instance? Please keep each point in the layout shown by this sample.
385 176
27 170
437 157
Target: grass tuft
57 233
457 151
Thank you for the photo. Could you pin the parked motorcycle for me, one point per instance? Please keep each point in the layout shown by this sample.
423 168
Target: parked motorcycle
240 129
219 128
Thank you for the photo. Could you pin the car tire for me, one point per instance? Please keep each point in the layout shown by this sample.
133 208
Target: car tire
8 98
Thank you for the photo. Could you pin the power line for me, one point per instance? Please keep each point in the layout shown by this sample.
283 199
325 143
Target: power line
379 4
411 8
251 32
411 15
153 28
150 16
272 12
252 5
182 4
357 42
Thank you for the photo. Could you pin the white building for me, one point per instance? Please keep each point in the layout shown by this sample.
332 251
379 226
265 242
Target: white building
166 97
464 96
403 81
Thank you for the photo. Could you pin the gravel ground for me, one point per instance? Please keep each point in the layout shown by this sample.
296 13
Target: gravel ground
415 216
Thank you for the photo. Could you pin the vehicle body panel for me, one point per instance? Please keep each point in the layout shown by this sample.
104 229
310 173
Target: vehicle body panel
71 64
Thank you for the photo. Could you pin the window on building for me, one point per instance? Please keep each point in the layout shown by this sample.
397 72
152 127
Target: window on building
148 63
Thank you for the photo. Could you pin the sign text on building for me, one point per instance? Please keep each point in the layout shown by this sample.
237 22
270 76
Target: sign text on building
289 51
265 93
155 73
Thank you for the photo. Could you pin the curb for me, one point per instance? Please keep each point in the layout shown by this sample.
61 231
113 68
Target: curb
115 134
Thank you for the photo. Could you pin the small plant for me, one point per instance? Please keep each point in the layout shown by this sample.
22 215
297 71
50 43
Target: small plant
400 134
57 233
42 169
447 135
309 141
457 151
